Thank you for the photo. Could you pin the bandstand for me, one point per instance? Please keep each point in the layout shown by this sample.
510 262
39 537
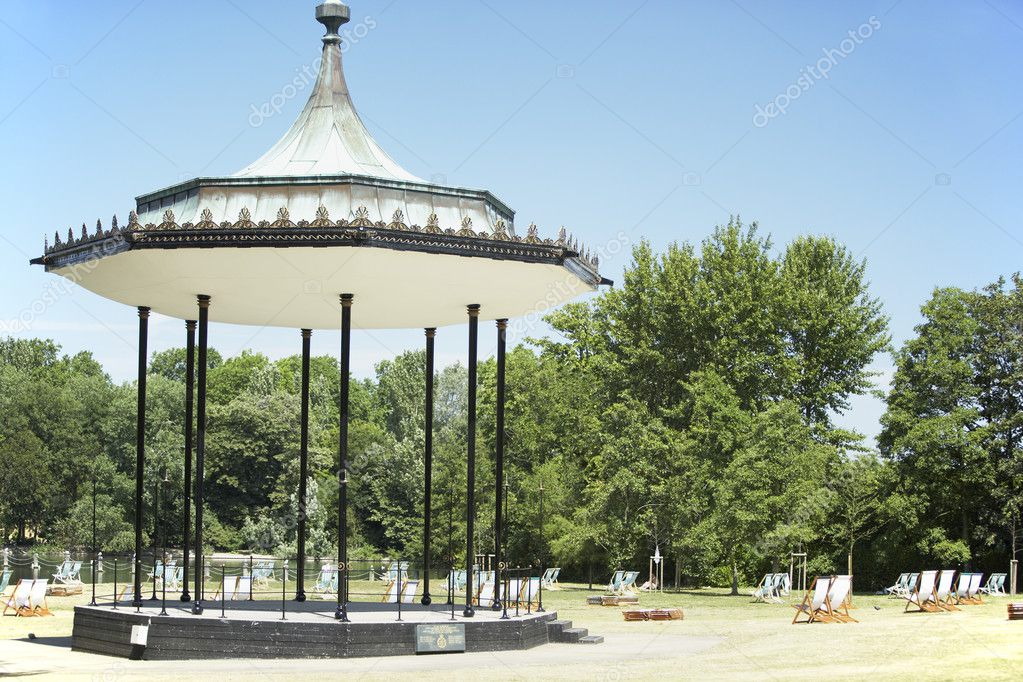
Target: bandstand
324 230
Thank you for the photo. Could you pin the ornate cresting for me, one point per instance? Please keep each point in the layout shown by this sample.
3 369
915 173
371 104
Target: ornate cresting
320 227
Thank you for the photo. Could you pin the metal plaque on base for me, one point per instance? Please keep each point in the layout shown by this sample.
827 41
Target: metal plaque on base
440 639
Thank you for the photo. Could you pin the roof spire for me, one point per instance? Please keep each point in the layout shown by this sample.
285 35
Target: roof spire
333 14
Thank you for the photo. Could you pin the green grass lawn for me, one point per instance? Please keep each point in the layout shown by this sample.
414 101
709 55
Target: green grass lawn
725 637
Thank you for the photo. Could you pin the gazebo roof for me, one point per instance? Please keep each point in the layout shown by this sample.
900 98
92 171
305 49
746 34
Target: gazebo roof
275 243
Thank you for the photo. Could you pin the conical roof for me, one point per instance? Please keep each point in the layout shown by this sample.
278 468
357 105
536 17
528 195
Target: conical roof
328 138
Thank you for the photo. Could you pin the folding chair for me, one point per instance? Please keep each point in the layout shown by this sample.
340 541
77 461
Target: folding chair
898 587
615 585
922 595
836 609
973 591
764 589
37 600
408 593
629 582
391 593
19 601
943 594
814 604
229 586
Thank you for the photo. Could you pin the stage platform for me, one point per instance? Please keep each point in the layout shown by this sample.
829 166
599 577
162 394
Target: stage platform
309 630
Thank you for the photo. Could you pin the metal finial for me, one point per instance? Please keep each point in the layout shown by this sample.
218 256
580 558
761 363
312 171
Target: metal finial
333 14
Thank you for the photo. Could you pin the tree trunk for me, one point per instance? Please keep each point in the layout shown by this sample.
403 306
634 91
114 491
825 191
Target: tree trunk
850 560
589 567
678 574
735 580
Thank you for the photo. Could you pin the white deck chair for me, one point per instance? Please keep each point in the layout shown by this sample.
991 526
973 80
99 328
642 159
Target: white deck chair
814 602
973 591
921 595
20 599
837 611
961 592
514 595
391 593
486 596
243 588
629 582
531 591
229 587
408 594
552 579
1000 585
37 600
783 586
943 593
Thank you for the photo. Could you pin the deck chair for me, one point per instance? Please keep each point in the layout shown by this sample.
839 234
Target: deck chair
991 586
5 580
961 591
836 607
763 589
230 586
20 599
922 594
324 581
1000 585
615 585
943 593
900 585
73 575
973 591
243 589
629 582
176 576
37 600
62 571
551 583
408 593
514 595
391 593
486 595
531 591
783 586
814 604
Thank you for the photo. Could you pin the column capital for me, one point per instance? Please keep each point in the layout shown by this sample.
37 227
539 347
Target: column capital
143 312
431 332
474 310
190 325
307 333
347 300
502 324
204 300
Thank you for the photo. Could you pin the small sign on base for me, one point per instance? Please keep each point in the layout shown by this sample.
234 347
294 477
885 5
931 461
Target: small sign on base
440 638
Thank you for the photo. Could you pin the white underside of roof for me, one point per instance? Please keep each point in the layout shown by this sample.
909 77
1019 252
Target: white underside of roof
328 138
299 287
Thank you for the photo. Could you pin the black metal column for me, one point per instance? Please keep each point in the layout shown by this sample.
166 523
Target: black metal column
200 448
189 419
303 466
470 463
431 334
341 613
502 328
140 451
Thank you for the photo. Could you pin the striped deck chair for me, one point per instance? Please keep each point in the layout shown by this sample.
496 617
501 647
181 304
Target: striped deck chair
814 604
325 582
243 589
764 590
551 578
615 585
515 587
62 571
943 594
531 591
629 582
899 587
5 580
922 594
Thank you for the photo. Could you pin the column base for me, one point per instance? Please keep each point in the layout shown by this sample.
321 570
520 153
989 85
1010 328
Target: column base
300 596
426 600
197 609
185 597
469 612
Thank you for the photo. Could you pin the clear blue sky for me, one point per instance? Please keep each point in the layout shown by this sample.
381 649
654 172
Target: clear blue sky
603 116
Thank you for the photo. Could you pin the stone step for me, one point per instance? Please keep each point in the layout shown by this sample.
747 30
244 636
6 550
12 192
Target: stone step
592 639
573 635
555 628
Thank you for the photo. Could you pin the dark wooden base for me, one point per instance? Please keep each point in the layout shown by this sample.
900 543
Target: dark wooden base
248 633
